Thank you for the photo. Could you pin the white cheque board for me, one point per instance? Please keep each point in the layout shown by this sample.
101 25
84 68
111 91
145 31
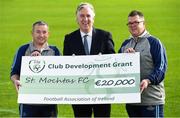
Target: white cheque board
92 79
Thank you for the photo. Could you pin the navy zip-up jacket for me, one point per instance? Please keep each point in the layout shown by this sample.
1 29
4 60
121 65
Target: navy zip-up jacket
153 65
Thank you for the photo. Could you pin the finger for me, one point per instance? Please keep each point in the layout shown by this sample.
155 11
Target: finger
17 88
132 50
141 89
127 50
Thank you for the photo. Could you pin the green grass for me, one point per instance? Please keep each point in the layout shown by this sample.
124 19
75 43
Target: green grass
17 16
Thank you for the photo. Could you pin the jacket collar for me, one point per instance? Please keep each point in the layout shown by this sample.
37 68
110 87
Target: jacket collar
32 47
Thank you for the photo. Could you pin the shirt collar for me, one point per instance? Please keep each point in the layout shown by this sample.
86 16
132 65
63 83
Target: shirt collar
89 33
144 34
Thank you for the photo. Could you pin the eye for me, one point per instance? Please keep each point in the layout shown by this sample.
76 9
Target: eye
88 16
44 32
134 23
38 31
82 15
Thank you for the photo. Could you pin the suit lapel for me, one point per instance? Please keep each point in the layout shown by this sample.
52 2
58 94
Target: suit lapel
79 43
94 43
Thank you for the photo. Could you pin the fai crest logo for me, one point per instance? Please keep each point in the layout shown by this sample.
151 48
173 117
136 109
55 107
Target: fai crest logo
36 66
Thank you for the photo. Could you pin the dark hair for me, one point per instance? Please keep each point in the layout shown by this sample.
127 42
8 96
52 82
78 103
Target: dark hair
135 12
39 23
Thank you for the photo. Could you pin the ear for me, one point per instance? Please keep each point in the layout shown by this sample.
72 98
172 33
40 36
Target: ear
76 18
31 32
144 23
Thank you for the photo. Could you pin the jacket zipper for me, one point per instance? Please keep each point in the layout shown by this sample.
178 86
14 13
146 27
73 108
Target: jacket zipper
136 41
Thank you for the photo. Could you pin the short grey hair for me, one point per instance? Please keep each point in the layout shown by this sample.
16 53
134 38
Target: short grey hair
85 4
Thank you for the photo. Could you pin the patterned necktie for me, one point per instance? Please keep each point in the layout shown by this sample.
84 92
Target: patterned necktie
86 48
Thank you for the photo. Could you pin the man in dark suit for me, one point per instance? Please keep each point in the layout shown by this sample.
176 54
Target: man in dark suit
88 40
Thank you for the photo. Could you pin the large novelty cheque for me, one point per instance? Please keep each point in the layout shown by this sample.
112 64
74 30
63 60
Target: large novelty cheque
93 79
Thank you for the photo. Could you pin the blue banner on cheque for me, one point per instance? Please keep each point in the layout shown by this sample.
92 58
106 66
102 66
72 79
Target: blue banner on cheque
92 79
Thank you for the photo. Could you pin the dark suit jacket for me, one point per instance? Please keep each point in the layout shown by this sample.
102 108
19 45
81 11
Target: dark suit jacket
101 43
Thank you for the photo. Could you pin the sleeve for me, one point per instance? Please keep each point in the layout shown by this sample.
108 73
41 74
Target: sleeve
160 61
66 48
56 50
122 48
110 44
16 66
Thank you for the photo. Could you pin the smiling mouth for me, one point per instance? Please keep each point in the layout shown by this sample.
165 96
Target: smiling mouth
41 39
85 24
133 29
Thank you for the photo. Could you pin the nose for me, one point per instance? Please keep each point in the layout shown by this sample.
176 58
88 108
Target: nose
41 34
86 18
132 24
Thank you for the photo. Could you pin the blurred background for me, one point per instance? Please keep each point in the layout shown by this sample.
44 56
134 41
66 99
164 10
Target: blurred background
17 16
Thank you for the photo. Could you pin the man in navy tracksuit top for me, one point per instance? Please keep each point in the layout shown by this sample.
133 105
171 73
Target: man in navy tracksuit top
153 65
37 47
